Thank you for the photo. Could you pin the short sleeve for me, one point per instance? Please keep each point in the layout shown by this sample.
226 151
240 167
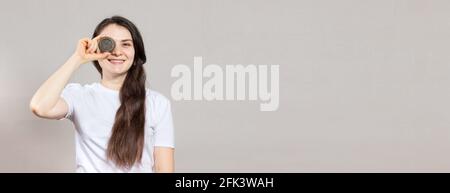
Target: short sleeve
69 94
164 129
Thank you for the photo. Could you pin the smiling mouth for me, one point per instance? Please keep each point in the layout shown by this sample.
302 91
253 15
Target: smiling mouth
116 61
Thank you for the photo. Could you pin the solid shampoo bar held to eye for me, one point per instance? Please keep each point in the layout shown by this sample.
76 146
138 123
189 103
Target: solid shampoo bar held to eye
106 44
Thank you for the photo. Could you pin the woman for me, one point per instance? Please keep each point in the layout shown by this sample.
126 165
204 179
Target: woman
121 126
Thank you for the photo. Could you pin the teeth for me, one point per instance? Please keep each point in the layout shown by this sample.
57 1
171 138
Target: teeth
116 60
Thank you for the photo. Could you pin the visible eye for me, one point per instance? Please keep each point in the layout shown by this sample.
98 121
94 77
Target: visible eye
126 44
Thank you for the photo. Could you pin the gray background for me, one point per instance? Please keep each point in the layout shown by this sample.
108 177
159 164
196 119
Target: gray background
364 85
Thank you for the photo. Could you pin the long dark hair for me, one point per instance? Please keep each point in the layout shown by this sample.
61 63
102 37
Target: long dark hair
126 144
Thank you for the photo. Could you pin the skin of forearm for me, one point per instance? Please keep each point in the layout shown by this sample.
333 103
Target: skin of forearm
48 94
164 160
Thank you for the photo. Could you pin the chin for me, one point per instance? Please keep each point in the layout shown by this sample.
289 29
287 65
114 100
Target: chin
118 71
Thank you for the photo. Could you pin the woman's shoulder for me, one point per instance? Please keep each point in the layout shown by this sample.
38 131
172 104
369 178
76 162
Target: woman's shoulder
157 103
74 88
88 89
78 86
156 97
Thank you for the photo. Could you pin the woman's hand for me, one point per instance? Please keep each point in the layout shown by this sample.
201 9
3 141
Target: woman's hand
87 51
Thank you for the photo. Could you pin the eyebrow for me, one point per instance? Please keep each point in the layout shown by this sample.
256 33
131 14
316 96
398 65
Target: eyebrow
126 40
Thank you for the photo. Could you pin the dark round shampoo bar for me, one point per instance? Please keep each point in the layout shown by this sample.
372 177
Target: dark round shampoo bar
106 44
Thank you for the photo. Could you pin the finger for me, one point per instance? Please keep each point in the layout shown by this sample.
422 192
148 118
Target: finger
83 42
105 55
88 45
95 45
99 56
82 45
92 47
83 39
98 37
95 40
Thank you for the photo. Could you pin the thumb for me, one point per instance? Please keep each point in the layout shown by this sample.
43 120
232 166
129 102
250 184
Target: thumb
102 55
98 56
105 55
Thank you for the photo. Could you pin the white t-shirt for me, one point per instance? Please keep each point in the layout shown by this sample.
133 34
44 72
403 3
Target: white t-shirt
92 109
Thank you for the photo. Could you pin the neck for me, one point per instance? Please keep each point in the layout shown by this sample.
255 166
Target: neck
113 82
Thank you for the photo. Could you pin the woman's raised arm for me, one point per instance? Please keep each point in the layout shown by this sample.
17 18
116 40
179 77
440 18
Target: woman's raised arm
46 102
